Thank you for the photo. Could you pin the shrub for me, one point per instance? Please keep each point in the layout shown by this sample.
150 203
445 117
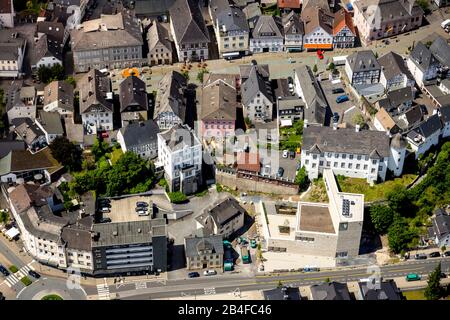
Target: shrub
26 281
13 269
52 297
177 197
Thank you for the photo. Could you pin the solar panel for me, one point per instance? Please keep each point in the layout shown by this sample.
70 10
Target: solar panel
345 207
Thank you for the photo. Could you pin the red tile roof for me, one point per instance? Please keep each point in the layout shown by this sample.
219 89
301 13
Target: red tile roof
343 18
248 162
292 4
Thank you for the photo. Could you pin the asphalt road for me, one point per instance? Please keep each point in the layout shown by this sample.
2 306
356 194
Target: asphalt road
230 283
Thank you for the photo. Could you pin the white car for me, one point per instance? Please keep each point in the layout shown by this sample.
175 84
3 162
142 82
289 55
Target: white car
142 213
285 153
209 272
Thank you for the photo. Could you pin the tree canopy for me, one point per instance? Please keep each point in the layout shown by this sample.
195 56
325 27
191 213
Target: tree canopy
381 217
49 74
302 178
67 153
434 290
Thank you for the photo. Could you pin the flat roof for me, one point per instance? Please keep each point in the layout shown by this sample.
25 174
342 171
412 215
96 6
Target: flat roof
315 218
124 210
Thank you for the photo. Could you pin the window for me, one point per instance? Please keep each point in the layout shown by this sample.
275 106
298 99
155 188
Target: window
343 165
365 167
372 171
374 161
344 156
335 164
341 254
343 226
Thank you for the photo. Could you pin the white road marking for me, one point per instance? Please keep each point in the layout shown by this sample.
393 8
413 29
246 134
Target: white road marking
141 285
103 292
210 290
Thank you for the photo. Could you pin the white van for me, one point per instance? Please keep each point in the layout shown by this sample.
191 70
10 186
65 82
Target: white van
209 272
445 23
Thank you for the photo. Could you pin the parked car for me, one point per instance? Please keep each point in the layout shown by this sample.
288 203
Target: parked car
285 153
413 277
253 243
105 210
447 254
34 274
292 154
193 275
335 117
320 54
4 271
342 98
141 204
105 220
141 209
434 254
280 172
443 275
337 90
209 272
420 256
142 213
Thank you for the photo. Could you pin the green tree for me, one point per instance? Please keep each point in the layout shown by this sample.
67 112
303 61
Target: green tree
185 74
358 119
434 290
49 74
71 80
248 122
66 153
400 235
177 197
302 178
315 69
201 73
399 201
424 4
443 248
4 217
381 217
376 55
331 66
99 149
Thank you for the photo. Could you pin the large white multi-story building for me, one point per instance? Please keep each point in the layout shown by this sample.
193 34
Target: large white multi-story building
351 152
327 230
180 152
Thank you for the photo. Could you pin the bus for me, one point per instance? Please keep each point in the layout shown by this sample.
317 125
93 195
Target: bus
413 277
245 255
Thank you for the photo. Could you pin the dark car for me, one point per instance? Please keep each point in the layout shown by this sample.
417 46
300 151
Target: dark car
447 254
193 275
434 254
292 154
105 220
335 117
34 274
337 90
4 271
141 209
443 275
141 204
105 205
290 80
420 256
280 172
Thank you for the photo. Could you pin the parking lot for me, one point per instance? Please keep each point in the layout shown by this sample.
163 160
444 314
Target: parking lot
124 210
340 108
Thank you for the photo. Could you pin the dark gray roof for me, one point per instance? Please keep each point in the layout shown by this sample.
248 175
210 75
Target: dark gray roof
222 212
157 34
422 57
445 114
343 140
27 130
188 23
387 291
8 145
244 70
292 24
93 88
51 122
219 101
395 98
441 223
142 133
441 50
426 128
392 64
233 19
170 96
43 48
330 291
414 115
253 85
133 95
194 245
128 233
178 137
77 238
362 61
267 26
284 293
10 44
216 7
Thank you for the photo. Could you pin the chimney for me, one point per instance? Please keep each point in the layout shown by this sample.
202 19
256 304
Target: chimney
357 127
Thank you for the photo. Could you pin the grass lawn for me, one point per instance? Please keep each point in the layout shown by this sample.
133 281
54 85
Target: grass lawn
13 269
26 281
291 137
52 297
115 155
378 191
317 193
414 295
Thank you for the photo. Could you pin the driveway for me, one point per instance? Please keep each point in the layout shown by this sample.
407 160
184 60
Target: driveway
340 108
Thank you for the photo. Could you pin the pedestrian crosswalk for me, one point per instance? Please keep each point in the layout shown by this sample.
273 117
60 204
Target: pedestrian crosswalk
210 291
103 291
14 278
141 285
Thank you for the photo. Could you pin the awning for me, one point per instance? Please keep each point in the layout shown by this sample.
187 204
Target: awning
286 123
318 45
231 54
12 233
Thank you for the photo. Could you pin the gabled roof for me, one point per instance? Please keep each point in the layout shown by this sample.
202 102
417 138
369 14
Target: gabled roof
188 23
170 96
27 130
253 85
245 69
24 160
441 223
219 102
322 4
414 114
392 64
158 35
179 137
426 128
291 4
93 88
42 49
248 162
445 114
221 213
292 24
11 43
133 95
314 17
441 50
422 57
142 133
51 122
363 61
330 291
194 246
387 290
385 119
343 18
267 26
233 19
60 91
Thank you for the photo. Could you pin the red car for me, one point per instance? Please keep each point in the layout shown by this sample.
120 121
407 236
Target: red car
320 54
105 134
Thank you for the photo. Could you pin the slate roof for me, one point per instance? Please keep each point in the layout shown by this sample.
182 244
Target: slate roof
343 140
8 145
178 137
156 35
441 50
216 7
133 95
314 17
128 233
170 96
233 19
413 116
221 212
267 26
284 293
388 10
24 160
262 69
51 122
188 23
253 85
422 57
363 61
445 114
93 87
194 245
441 223
59 91
396 98
142 133
330 291
388 291
27 130
219 102
292 24
119 30
392 64
426 128
10 44
76 238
